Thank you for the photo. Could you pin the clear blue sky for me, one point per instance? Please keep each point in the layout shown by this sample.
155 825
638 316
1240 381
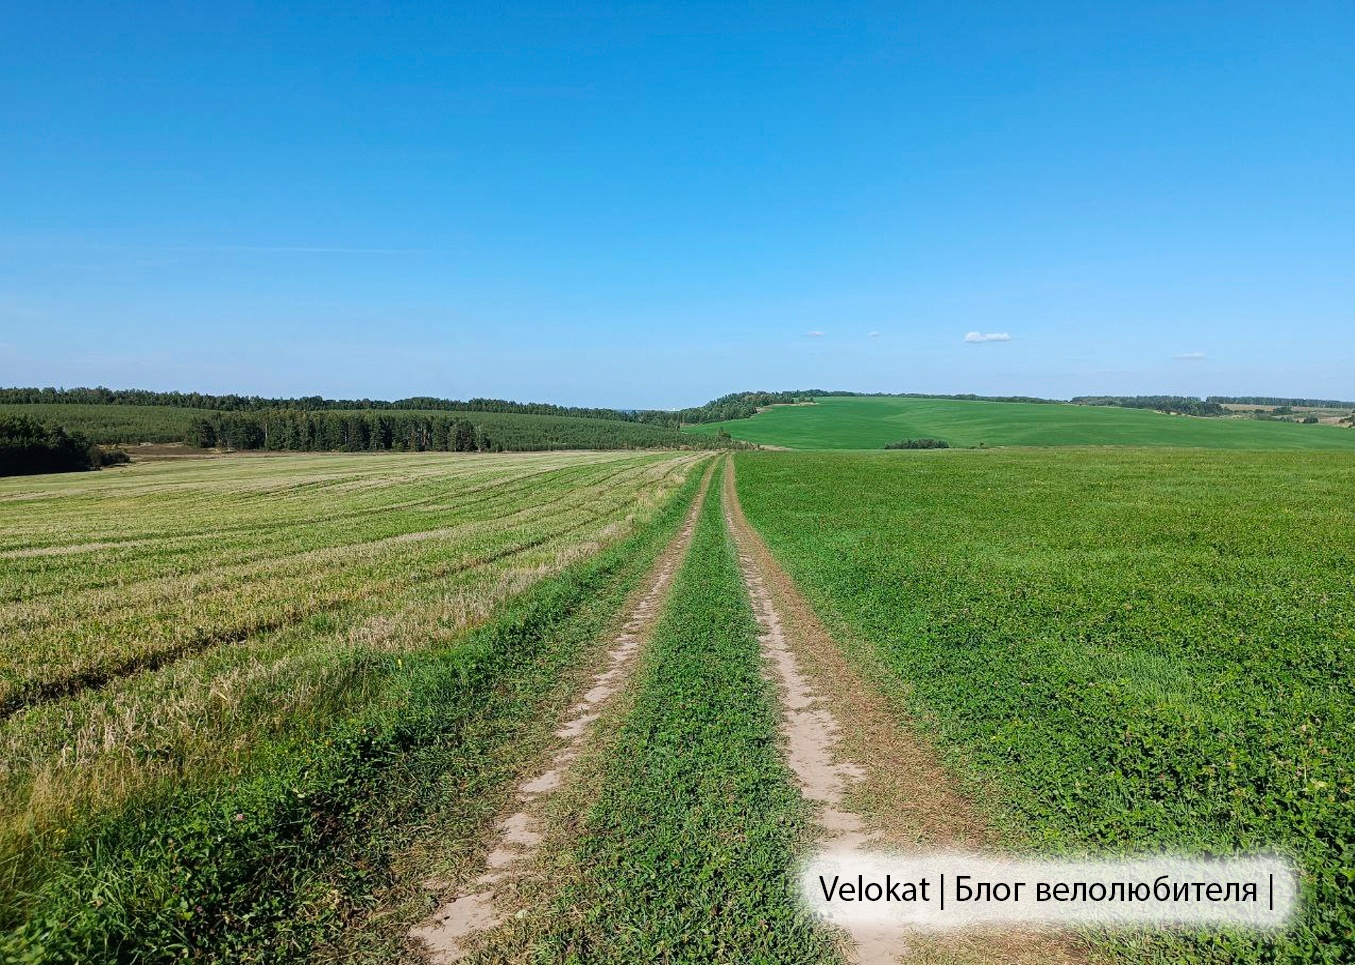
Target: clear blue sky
653 204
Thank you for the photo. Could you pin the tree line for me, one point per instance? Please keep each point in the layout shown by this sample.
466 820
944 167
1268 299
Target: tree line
1270 400
735 405
100 395
1182 404
324 431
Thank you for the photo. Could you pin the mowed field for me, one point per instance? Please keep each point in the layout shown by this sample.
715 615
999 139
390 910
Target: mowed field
221 678
848 422
1118 651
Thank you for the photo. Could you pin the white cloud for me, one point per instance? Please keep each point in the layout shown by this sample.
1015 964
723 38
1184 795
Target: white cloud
1191 357
987 337
814 334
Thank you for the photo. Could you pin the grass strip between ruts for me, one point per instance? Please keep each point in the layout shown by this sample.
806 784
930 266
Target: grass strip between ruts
687 852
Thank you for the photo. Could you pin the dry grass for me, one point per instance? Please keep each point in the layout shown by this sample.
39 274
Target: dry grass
158 622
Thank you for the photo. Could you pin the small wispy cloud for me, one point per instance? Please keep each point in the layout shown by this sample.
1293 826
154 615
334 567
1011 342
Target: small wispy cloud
874 334
814 334
1191 357
987 337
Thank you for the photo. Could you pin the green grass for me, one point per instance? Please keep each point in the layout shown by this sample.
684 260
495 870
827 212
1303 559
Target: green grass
870 423
686 852
1124 651
292 640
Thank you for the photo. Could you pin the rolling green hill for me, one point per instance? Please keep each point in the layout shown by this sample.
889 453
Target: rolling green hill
870 422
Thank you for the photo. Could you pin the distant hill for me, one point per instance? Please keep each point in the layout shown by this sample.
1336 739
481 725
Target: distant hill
859 422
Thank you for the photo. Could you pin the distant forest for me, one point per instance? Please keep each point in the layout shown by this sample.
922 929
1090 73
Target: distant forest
736 405
310 403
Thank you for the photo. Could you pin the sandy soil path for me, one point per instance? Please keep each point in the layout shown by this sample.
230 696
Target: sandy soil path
877 785
477 906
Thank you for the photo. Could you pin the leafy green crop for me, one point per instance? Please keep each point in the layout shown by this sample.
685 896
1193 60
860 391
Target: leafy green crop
1124 650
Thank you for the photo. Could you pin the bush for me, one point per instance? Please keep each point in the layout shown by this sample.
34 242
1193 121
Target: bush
27 447
918 444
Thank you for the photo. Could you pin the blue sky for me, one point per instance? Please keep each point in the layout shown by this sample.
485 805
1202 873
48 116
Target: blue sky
654 204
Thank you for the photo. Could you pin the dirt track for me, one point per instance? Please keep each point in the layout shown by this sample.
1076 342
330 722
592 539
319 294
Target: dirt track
477 907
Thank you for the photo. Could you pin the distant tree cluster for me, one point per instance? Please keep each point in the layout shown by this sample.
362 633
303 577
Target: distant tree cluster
381 431
918 444
321 431
736 405
1269 400
27 447
1181 404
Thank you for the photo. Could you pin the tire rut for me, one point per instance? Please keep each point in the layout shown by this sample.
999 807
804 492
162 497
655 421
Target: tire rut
476 907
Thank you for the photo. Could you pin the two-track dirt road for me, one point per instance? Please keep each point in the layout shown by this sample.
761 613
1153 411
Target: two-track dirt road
481 905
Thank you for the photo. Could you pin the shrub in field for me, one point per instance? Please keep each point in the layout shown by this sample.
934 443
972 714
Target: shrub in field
918 444
28 447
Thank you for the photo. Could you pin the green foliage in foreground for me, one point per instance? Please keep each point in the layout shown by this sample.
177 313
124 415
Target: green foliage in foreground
687 853
869 423
1127 650
358 430
263 868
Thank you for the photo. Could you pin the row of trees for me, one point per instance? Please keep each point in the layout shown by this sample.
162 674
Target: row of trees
1270 400
1182 404
27 447
309 431
927 443
313 431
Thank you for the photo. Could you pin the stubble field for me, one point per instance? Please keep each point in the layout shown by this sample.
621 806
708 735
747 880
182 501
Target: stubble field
174 630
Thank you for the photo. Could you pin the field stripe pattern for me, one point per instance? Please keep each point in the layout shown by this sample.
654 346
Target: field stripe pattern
252 634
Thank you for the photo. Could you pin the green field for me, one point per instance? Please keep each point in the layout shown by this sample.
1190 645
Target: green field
849 422
250 704
225 679
1121 651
